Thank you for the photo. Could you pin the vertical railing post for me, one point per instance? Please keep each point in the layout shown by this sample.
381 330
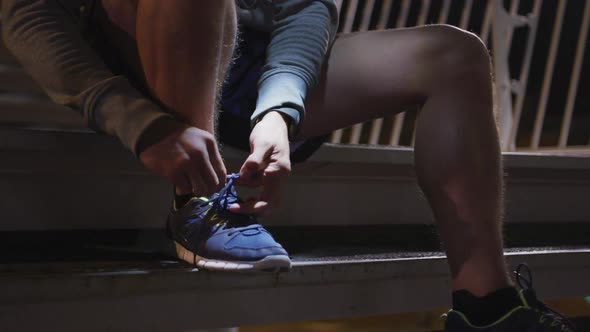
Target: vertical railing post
466 14
488 19
548 76
576 71
504 24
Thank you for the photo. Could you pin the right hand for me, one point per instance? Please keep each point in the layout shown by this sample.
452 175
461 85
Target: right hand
189 158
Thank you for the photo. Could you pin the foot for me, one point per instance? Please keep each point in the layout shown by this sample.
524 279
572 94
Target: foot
531 316
208 236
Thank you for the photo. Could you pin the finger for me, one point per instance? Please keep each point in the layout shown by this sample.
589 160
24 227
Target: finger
254 206
201 172
261 208
251 173
177 174
182 183
198 187
271 189
217 163
209 178
245 207
188 175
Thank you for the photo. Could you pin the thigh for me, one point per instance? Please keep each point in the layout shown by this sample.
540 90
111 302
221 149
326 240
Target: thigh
372 74
113 37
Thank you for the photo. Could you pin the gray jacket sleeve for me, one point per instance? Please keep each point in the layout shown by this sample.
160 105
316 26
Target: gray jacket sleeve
302 33
48 43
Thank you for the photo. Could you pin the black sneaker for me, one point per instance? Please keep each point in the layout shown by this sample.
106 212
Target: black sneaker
208 236
532 316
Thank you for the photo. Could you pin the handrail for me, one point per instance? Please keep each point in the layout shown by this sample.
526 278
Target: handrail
514 96
549 128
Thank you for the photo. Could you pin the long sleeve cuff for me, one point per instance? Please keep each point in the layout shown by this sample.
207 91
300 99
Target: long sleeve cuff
117 108
284 92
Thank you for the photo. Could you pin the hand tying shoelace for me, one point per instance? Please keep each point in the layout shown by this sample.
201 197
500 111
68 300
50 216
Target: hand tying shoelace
208 235
223 199
215 210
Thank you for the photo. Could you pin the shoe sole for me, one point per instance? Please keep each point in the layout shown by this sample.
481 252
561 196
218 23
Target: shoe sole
273 263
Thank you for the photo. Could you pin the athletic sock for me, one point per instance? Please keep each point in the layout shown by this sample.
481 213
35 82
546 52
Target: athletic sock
481 311
181 200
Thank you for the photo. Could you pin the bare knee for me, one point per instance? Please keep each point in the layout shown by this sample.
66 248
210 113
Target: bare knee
176 24
182 44
457 55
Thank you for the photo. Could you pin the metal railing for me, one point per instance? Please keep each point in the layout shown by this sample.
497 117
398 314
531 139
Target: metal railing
529 46
539 52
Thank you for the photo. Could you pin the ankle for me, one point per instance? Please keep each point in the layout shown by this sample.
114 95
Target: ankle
485 310
181 200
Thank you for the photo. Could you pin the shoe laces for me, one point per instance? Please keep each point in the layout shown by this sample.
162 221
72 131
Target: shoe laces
549 317
226 196
222 200
218 205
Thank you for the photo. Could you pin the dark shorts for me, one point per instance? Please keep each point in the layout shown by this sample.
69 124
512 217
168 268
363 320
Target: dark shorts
239 93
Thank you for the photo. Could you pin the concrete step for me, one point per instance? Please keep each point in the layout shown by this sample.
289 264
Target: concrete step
75 179
154 293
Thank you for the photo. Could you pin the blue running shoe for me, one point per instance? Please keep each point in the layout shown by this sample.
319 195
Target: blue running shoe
532 316
206 234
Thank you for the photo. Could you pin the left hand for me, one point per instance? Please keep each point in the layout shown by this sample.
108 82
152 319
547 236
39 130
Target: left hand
268 165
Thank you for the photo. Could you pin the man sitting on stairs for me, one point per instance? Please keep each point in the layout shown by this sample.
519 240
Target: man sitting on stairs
156 74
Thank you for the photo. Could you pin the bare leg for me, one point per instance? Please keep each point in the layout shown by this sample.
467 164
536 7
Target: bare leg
185 48
457 154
